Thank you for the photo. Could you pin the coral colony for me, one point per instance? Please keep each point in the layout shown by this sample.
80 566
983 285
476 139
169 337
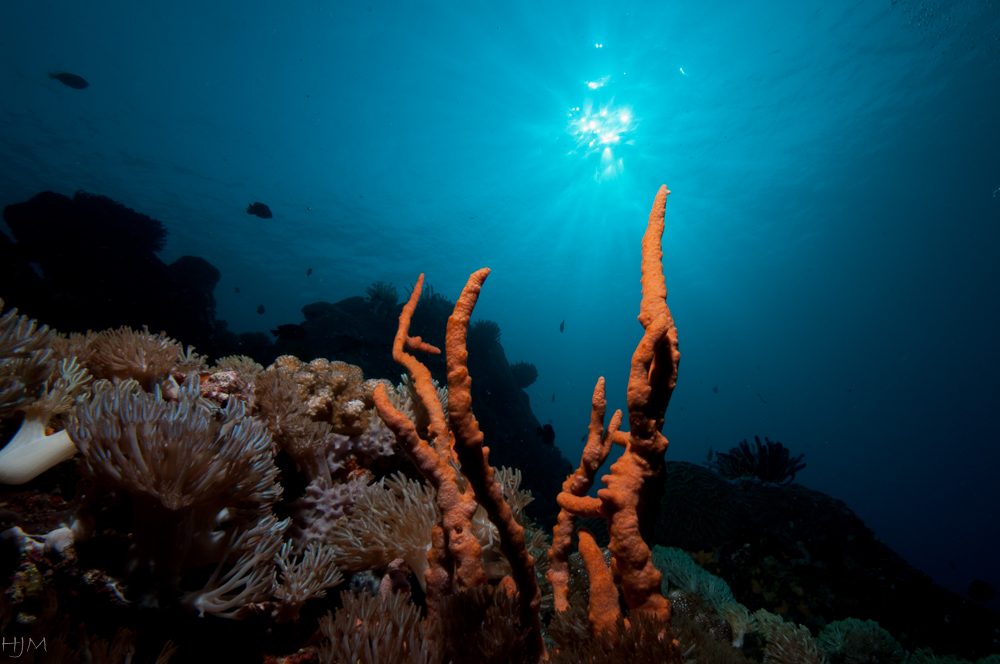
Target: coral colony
180 538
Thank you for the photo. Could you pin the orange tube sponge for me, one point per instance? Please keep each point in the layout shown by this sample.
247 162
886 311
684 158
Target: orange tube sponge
651 383
572 499
475 465
434 463
603 607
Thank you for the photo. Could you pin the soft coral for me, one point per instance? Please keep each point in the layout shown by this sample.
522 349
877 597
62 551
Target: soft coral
32 383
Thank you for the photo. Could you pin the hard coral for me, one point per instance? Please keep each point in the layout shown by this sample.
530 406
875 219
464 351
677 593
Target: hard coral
334 392
308 407
699 509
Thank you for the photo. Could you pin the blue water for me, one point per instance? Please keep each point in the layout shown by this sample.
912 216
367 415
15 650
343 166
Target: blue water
832 239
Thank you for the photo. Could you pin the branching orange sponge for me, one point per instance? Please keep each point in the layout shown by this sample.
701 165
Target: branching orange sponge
433 459
651 382
475 464
573 499
454 543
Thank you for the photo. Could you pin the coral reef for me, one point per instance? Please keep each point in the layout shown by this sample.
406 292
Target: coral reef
349 331
170 533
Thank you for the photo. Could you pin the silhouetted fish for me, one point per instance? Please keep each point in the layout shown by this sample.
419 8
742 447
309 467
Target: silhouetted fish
562 325
981 591
289 331
715 389
260 309
309 272
553 397
71 80
237 289
547 433
260 210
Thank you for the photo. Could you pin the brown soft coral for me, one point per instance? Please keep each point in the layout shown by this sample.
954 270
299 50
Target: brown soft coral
124 353
201 480
25 360
34 383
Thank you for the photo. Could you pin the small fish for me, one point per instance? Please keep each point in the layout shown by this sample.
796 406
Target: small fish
260 309
237 289
584 439
309 272
260 210
547 433
289 331
71 80
715 390
553 397
562 325
981 591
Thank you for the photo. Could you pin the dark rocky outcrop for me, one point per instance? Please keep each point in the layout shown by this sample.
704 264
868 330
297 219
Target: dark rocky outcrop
807 556
89 263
